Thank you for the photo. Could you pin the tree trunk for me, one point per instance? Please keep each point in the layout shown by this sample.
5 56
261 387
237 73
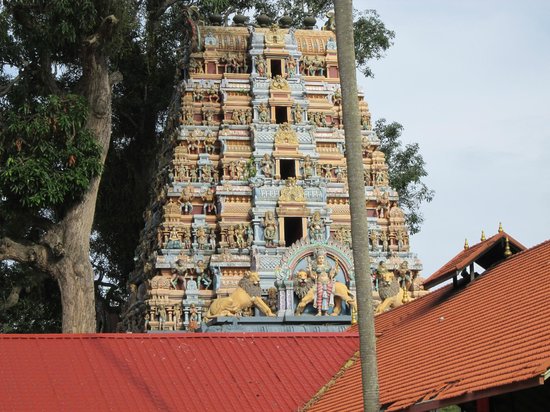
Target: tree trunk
74 271
356 184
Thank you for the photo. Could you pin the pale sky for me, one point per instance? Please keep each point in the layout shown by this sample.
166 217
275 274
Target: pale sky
470 82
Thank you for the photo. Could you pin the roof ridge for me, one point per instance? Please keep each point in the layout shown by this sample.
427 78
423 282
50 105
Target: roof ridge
315 398
186 335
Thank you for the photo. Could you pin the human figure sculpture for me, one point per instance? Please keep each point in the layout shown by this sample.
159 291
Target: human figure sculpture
198 92
270 229
261 66
179 273
297 113
209 200
174 240
193 318
373 236
240 167
316 227
177 316
193 143
322 289
365 121
309 167
263 113
291 65
384 239
212 240
319 66
162 316
231 236
186 199
206 173
267 166
202 239
199 271
208 117
187 244
239 236
337 97
210 142
206 280
188 117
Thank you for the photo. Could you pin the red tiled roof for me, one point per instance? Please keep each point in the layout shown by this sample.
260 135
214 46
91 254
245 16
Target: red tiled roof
467 256
168 372
485 335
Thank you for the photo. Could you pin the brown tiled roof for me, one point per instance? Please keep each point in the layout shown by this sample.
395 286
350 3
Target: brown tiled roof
168 372
485 335
475 253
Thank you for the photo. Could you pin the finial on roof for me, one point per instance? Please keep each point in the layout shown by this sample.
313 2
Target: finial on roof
483 238
353 315
500 229
507 251
466 245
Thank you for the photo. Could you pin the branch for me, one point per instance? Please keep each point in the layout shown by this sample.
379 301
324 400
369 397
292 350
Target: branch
5 89
104 32
46 73
32 254
12 299
162 9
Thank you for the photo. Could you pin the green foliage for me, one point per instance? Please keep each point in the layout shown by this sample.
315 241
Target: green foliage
38 309
406 170
47 155
372 39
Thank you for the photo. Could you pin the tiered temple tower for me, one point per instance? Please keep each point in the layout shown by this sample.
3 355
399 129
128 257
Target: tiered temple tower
255 180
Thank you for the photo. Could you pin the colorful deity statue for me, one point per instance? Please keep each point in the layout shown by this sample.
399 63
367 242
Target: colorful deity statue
323 274
261 66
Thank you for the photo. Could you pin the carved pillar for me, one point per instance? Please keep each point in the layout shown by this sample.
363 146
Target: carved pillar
289 292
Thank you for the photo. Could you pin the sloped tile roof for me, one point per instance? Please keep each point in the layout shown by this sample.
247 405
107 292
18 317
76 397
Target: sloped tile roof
467 256
488 334
168 372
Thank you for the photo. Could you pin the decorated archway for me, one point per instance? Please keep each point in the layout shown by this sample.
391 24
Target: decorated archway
299 258
304 248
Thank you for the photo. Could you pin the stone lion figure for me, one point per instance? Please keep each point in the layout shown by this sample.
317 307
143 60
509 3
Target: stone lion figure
247 295
305 289
390 291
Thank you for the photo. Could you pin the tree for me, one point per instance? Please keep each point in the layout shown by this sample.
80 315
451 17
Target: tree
54 136
357 201
406 170
28 303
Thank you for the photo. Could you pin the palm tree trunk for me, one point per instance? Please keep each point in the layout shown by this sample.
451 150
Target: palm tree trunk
359 231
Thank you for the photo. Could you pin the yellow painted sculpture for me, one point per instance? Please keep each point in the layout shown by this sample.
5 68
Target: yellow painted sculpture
247 295
391 293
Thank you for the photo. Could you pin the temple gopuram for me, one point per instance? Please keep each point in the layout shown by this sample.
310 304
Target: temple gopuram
249 228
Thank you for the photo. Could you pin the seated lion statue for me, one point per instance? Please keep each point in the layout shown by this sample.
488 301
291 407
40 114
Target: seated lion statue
391 293
305 289
247 295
